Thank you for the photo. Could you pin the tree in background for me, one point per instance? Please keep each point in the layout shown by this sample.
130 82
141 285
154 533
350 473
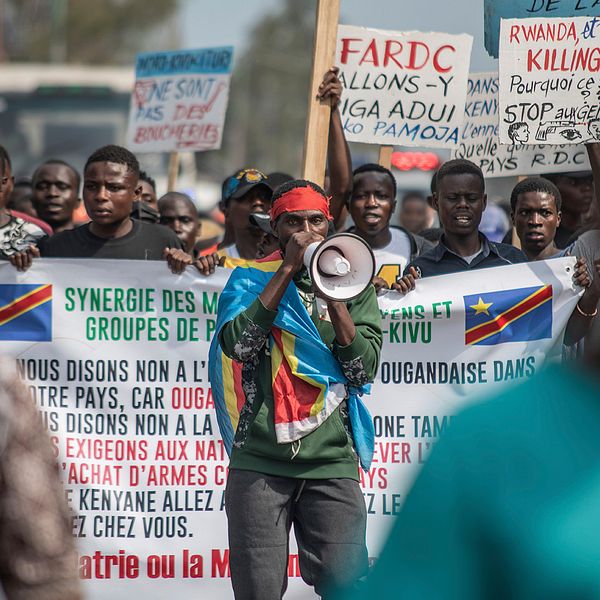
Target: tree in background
267 110
83 31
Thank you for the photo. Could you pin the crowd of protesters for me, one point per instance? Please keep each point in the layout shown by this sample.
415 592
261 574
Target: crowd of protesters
552 216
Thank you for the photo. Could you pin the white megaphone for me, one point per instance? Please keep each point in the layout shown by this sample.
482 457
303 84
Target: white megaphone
340 267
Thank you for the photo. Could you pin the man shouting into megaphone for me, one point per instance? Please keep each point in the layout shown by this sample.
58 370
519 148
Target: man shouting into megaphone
287 370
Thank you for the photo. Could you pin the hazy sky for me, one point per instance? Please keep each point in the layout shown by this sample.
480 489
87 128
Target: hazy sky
228 22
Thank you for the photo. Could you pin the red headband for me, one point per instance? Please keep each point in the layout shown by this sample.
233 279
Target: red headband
300 198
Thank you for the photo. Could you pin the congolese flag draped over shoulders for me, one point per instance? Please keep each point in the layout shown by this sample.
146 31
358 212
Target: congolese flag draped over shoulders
519 315
26 312
308 383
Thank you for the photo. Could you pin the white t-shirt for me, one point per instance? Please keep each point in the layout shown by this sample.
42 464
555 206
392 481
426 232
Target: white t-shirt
231 251
391 260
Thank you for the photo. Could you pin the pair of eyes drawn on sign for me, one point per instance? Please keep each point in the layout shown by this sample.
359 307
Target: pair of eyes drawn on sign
570 130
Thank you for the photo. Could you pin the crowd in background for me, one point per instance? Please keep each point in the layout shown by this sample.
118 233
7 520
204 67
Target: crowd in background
111 210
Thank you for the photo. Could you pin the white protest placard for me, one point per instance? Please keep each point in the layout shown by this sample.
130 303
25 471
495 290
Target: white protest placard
480 143
115 355
179 100
550 80
402 88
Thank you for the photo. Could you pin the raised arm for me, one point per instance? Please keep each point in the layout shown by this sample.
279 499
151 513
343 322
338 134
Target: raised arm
339 161
358 336
586 309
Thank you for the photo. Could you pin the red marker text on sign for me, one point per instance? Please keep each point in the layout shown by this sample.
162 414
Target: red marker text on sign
413 55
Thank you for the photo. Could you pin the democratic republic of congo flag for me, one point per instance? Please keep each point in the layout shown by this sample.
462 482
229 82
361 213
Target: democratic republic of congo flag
308 384
26 312
519 315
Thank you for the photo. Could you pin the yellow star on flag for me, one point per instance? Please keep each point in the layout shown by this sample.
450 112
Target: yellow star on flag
481 307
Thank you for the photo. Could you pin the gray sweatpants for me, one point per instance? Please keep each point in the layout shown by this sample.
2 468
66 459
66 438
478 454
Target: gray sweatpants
329 519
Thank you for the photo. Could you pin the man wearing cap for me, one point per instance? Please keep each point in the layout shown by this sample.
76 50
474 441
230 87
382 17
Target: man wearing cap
247 191
297 364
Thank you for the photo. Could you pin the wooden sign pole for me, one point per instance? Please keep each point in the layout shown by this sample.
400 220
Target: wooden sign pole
385 156
173 171
317 123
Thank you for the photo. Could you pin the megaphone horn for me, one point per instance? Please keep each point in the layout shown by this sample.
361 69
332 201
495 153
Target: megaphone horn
340 267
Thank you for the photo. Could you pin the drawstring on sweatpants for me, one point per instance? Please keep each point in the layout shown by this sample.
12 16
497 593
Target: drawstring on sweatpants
300 490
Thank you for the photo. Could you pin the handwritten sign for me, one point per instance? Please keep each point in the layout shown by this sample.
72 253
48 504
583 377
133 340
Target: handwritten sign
402 88
494 10
480 143
549 81
122 386
179 100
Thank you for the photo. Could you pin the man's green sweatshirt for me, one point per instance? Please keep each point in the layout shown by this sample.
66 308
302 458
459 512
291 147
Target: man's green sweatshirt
328 451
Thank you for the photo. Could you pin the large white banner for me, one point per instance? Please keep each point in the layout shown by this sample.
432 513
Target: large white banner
549 81
115 353
402 88
480 142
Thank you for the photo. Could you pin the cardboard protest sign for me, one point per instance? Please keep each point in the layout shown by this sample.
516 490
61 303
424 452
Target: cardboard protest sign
402 88
549 83
179 100
494 10
480 143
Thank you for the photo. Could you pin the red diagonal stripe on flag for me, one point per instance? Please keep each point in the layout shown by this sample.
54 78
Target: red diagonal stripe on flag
295 397
501 321
26 302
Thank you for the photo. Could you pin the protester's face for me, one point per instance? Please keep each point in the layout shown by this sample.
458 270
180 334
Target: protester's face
20 199
372 202
413 215
109 190
536 218
267 245
289 223
182 219
460 201
6 185
55 193
577 193
238 210
148 194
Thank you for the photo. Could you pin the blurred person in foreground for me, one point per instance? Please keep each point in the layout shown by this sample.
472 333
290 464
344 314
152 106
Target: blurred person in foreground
37 553
507 504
